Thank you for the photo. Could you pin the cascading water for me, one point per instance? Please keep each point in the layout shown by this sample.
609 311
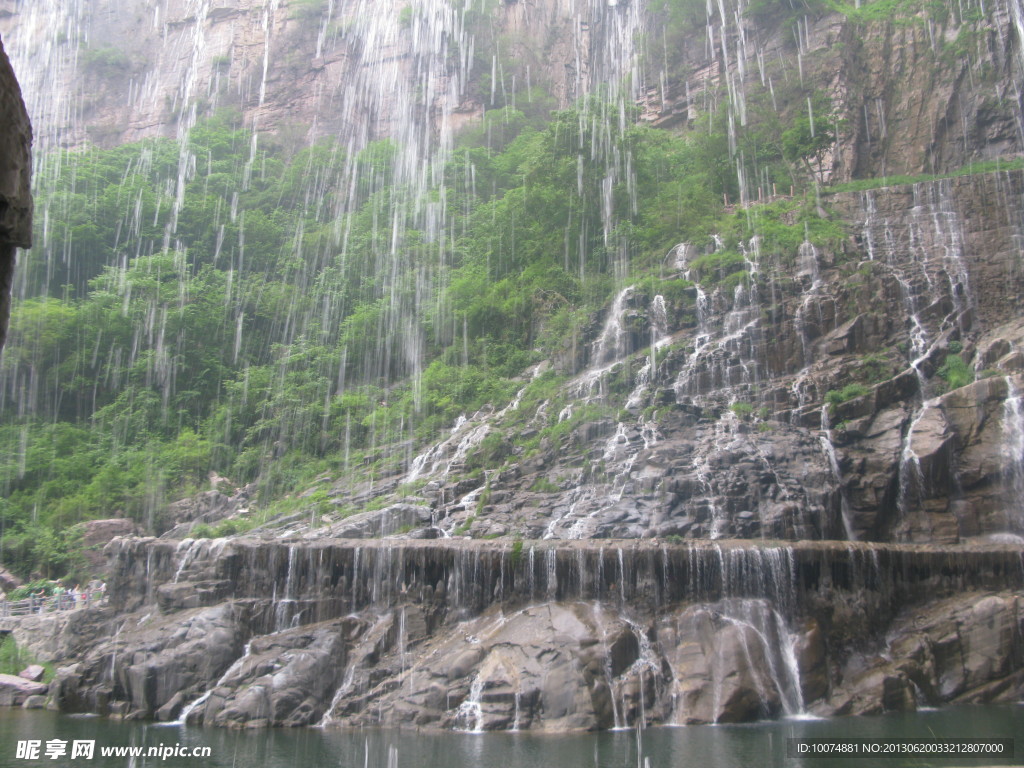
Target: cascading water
926 257
726 358
192 706
1013 455
412 72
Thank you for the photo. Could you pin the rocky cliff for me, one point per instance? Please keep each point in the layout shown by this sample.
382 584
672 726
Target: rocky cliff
486 635
920 92
814 400
721 439
15 183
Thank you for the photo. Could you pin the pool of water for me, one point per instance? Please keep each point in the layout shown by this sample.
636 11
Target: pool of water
758 744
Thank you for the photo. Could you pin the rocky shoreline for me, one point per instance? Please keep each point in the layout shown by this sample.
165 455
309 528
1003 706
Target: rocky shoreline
490 635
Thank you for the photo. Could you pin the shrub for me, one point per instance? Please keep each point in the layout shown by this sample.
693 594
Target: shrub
849 392
107 61
491 452
742 410
543 485
955 372
14 659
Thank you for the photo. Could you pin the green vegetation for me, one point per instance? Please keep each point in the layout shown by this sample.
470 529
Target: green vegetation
461 529
812 135
987 166
228 527
14 659
742 410
307 10
955 372
849 392
874 368
107 61
279 313
543 485
517 552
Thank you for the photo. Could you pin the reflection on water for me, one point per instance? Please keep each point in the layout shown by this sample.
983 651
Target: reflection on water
759 744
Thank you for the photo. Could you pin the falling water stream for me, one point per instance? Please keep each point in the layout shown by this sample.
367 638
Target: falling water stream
414 66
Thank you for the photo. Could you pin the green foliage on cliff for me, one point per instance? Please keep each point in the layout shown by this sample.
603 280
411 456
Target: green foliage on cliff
14 659
849 392
272 314
955 372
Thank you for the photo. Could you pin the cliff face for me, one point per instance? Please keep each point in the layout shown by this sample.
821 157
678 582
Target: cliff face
932 97
917 95
865 388
815 401
482 635
15 183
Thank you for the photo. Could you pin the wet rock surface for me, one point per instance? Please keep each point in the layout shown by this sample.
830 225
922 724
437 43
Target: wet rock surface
633 591
826 412
14 690
15 183
475 636
724 411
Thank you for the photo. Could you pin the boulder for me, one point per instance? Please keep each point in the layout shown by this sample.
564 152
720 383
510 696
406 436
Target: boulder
8 581
14 690
96 534
33 672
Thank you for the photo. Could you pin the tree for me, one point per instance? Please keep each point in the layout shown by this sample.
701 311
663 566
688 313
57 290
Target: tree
812 136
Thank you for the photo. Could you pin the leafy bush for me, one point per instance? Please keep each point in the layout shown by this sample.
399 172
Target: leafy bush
742 410
307 10
955 372
849 392
874 368
106 61
516 553
489 453
543 485
14 659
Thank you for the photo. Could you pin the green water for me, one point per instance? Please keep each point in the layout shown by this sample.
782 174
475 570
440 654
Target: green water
760 744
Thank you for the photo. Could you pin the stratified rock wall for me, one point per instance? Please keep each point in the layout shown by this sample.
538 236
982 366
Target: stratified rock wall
15 183
814 402
926 97
491 635
915 95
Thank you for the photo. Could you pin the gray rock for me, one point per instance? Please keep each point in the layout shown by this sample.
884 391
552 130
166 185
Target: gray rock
33 672
15 690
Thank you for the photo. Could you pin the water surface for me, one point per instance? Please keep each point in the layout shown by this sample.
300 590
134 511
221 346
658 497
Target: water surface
759 744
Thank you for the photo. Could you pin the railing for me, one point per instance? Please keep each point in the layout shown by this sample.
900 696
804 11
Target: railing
51 604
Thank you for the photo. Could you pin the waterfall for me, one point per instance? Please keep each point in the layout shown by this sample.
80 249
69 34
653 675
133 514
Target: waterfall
192 706
725 363
828 447
925 255
776 647
45 49
374 572
611 342
1013 455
